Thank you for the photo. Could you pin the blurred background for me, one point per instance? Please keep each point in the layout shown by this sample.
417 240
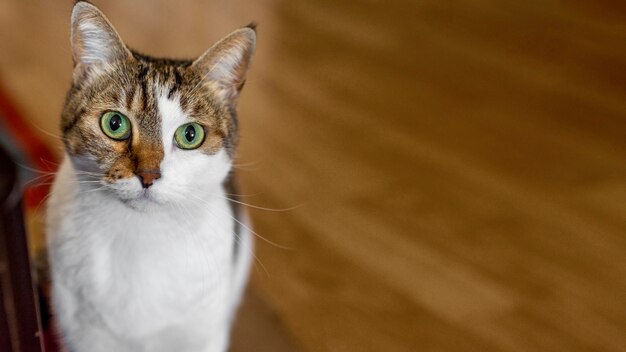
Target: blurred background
445 176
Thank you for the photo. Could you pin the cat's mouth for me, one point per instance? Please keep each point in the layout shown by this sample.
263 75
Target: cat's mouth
139 199
145 195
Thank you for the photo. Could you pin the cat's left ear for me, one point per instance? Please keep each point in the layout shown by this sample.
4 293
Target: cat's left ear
225 64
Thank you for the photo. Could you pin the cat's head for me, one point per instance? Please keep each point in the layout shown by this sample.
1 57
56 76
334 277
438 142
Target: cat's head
151 130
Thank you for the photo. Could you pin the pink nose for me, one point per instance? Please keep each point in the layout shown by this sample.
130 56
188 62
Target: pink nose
148 176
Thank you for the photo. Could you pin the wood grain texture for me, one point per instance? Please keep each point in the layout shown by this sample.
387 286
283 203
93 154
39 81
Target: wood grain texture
458 170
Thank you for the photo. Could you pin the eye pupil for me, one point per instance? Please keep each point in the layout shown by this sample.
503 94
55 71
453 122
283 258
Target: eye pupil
190 133
115 123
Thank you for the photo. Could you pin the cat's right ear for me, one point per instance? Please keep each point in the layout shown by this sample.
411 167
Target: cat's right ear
95 43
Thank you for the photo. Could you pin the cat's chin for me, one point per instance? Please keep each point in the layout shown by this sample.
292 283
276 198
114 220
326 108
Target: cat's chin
144 202
141 200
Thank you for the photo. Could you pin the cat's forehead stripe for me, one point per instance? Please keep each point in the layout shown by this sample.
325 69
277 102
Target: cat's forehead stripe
130 96
178 81
142 79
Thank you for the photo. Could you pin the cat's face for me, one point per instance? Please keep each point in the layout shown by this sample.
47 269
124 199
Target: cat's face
151 131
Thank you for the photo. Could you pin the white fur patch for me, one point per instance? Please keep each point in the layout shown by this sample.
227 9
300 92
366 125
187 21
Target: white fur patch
188 168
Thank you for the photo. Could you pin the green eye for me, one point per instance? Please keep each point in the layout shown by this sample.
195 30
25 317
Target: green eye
189 136
115 125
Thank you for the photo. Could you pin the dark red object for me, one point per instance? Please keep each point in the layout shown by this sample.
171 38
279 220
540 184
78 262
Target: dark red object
19 322
32 147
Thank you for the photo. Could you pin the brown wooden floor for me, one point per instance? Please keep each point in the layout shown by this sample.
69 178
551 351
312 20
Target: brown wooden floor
459 170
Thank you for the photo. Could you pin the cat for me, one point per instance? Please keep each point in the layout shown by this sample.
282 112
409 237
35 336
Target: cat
147 251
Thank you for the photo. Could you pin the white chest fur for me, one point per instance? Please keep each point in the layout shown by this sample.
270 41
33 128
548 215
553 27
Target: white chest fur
137 280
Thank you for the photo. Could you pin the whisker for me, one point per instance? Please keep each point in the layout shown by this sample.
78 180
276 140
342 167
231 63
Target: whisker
246 166
250 250
42 130
34 170
263 208
249 229
242 195
251 163
49 162
34 181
